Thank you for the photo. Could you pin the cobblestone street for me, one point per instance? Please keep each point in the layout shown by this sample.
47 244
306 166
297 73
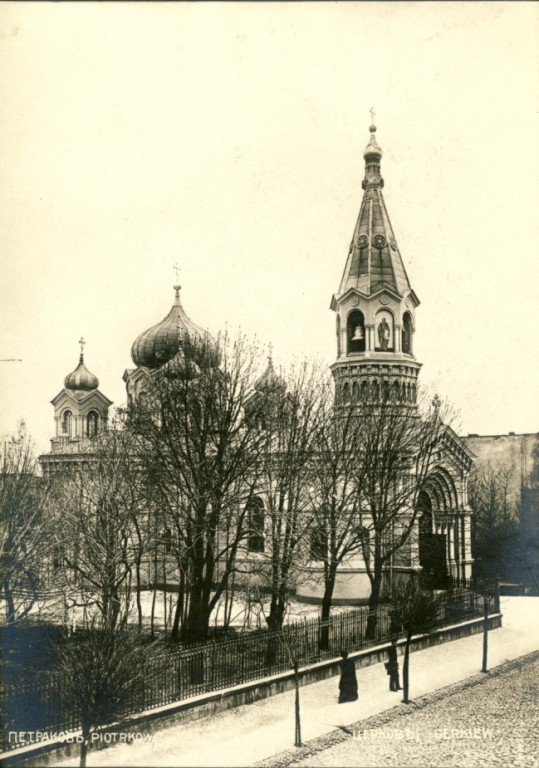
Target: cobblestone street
488 720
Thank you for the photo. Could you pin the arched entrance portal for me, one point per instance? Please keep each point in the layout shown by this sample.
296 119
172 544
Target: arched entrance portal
432 547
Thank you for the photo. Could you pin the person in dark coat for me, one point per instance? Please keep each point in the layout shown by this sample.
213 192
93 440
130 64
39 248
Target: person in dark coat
392 667
348 681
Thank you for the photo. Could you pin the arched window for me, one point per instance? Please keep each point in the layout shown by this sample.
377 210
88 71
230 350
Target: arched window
255 523
386 392
407 333
92 421
355 391
396 391
67 423
338 336
375 391
364 391
167 540
346 392
355 331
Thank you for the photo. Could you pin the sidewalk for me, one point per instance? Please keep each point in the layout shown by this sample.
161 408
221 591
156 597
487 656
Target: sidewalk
253 732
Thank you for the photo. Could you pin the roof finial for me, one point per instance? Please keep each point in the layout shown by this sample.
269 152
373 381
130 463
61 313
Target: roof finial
82 343
270 356
177 287
372 129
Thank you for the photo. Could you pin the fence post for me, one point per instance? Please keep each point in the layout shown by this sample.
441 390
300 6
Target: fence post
485 631
297 741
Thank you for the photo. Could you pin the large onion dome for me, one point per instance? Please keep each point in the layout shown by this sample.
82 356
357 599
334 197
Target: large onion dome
81 379
160 343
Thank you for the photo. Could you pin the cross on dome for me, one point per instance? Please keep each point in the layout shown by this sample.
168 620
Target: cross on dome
82 343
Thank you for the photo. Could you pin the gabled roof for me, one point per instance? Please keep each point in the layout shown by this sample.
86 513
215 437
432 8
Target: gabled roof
80 397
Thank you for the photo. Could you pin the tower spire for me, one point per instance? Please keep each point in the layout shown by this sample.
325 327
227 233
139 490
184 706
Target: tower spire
375 304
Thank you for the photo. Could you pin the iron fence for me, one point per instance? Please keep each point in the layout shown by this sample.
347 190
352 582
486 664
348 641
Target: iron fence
183 672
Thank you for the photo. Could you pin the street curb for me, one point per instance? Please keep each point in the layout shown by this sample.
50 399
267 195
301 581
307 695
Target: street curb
321 743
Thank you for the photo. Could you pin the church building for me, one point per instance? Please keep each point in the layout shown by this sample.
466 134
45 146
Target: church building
375 308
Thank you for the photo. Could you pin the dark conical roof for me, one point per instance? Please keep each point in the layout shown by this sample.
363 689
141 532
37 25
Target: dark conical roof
374 260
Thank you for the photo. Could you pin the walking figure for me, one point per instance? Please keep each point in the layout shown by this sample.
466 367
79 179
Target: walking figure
392 667
348 681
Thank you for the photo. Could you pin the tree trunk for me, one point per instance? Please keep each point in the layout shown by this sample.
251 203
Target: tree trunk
327 599
152 615
10 604
198 620
139 602
177 615
297 741
484 668
374 601
406 669
84 746
275 624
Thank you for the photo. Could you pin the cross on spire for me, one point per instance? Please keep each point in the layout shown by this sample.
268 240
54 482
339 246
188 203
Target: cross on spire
177 271
82 343
371 110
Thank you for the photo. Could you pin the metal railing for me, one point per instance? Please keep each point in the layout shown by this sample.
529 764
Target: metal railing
176 673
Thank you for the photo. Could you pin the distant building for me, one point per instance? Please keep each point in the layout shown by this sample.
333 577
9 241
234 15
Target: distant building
516 456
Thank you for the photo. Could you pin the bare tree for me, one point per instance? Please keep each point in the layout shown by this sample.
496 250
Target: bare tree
289 413
102 670
99 531
24 542
414 609
335 491
199 455
494 491
399 445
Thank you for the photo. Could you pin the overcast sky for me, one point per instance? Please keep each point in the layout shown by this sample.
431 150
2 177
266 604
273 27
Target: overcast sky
229 138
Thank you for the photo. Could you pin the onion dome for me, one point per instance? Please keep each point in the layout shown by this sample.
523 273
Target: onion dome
270 380
160 343
180 368
81 379
372 149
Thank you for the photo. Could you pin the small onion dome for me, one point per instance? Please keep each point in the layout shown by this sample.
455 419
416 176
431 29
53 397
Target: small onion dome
81 378
270 380
372 149
180 368
161 342
203 352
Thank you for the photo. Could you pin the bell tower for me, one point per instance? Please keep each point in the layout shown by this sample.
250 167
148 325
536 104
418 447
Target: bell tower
80 409
375 304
